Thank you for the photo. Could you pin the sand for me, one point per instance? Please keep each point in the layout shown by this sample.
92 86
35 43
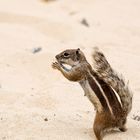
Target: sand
37 102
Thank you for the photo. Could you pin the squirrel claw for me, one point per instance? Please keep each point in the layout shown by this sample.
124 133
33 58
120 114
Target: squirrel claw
55 65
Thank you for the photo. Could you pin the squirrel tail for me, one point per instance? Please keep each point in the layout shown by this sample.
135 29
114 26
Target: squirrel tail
114 80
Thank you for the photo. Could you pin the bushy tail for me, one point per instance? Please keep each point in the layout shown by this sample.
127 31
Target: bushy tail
116 81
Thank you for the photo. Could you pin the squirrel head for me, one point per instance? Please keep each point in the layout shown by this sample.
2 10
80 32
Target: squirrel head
70 57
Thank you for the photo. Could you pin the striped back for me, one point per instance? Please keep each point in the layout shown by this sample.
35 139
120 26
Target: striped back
107 96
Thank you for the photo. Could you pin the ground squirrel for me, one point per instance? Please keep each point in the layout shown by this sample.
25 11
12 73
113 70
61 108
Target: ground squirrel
106 90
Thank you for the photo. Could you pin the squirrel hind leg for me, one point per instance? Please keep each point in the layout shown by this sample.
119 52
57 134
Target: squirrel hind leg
100 124
123 128
98 132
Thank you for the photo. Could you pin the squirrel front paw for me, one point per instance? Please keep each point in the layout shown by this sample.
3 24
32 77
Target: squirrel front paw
56 65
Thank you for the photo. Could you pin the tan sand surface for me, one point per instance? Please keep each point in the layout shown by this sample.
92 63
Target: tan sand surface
38 103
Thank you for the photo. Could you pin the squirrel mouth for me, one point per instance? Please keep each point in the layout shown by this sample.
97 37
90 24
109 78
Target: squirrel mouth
65 65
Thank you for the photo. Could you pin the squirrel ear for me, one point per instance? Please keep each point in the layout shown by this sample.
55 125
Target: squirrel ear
78 54
77 51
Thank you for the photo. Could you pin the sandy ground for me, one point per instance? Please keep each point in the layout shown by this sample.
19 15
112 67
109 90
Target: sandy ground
38 103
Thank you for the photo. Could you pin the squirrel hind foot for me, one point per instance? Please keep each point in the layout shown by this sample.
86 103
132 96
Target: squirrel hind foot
123 129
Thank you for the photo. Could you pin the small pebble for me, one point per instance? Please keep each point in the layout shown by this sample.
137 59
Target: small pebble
84 22
36 50
136 117
46 119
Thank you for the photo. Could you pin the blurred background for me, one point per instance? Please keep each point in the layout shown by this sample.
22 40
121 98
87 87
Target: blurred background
38 103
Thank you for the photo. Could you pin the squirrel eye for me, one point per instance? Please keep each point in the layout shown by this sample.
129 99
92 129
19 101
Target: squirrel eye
66 54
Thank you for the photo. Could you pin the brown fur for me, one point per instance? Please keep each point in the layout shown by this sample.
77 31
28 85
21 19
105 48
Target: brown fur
116 81
109 113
